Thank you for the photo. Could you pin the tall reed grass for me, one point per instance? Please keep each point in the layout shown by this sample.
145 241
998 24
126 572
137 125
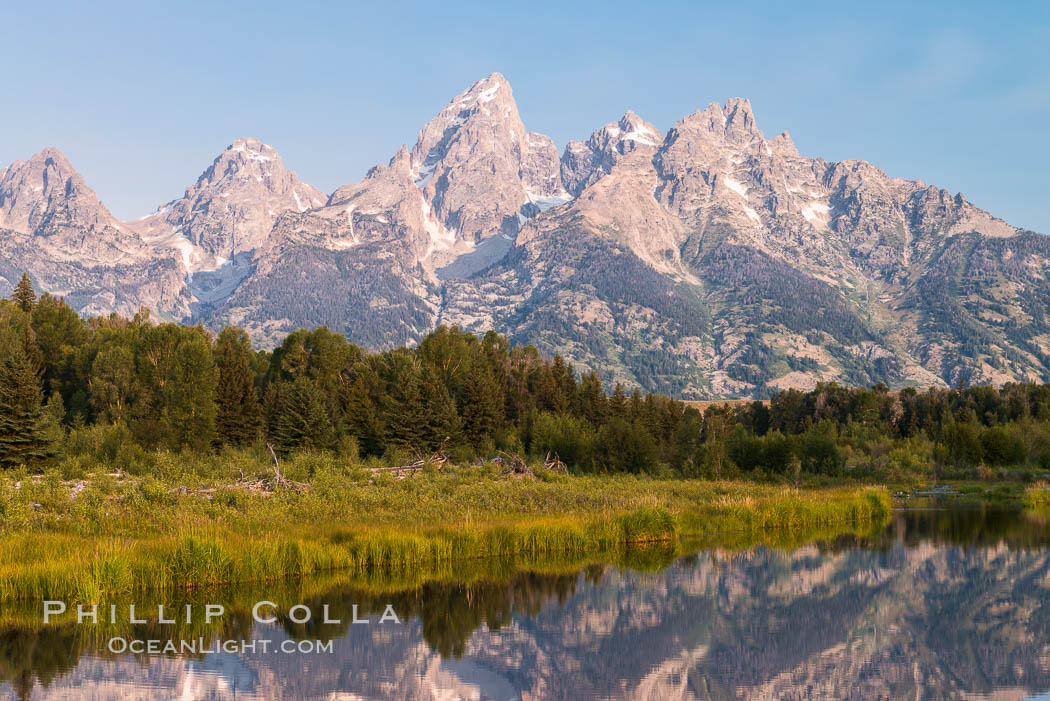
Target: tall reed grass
63 556
1037 497
81 534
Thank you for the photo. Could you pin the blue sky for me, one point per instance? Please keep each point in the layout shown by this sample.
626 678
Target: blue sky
142 96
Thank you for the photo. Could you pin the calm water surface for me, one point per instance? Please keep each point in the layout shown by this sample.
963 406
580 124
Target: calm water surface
944 603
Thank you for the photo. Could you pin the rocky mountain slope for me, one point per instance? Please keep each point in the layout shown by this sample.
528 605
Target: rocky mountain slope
53 226
223 218
707 261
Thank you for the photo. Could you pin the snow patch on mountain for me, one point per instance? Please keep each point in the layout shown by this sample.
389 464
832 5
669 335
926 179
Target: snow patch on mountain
735 185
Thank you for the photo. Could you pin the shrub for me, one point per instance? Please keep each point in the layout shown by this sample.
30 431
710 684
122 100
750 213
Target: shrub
570 438
1003 447
624 446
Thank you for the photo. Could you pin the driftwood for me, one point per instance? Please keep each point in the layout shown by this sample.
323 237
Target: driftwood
183 491
439 459
516 467
278 481
262 487
555 464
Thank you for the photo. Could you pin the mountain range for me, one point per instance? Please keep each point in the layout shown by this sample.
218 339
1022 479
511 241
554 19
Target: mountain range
707 261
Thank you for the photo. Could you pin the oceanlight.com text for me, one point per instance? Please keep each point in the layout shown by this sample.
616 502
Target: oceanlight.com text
200 646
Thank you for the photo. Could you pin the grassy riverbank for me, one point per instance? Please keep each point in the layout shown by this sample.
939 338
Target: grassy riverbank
92 537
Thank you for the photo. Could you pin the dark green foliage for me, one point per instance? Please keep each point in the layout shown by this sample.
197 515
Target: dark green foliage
605 271
302 419
171 387
114 384
361 417
238 418
566 437
177 370
24 296
23 435
59 332
799 302
335 289
819 453
1002 446
624 446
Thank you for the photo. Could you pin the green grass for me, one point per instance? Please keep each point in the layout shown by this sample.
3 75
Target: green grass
1037 497
136 533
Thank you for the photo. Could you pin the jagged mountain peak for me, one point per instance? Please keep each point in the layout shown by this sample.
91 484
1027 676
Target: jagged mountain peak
479 168
733 122
783 144
401 162
46 195
740 119
632 128
249 143
493 87
230 210
704 261
52 156
485 112
243 160
583 163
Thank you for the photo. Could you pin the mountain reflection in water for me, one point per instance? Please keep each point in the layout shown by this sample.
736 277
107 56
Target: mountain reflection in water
943 603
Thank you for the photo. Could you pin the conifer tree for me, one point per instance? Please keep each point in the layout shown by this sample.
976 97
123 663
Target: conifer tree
592 399
361 417
618 402
303 420
22 438
404 410
481 406
24 296
238 411
52 417
440 418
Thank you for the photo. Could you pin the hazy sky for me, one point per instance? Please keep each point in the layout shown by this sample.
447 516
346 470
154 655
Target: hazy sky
142 97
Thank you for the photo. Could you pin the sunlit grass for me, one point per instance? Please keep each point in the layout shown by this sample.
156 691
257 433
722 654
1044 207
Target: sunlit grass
1037 496
139 533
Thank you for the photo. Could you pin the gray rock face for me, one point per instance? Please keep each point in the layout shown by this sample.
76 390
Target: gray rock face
479 168
46 198
355 265
707 261
53 226
583 163
775 270
231 208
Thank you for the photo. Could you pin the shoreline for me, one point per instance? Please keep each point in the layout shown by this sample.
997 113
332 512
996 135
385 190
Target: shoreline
188 542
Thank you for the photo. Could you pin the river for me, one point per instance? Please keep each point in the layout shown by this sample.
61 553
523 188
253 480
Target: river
941 603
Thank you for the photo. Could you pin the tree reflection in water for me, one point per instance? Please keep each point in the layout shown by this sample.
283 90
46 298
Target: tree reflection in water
943 601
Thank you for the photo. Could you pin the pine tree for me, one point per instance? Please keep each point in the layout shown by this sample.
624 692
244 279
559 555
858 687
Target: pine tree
51 423
22 438
24 296
440 418
303 421
481 406
592 399
361 418
618 402
238 418
404 410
